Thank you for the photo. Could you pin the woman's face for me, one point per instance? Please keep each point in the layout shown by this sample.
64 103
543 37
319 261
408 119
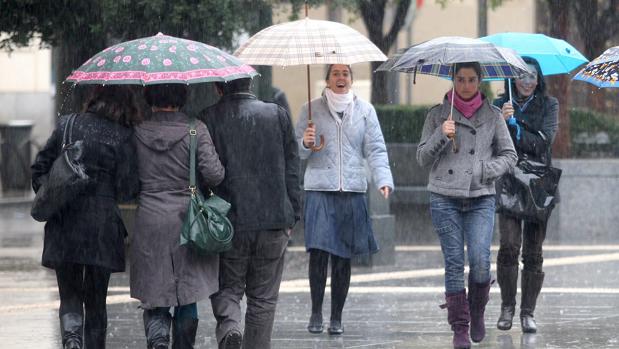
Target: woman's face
527 84
467 83
340 79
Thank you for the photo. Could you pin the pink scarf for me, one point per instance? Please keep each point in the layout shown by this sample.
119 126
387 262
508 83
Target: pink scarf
467 108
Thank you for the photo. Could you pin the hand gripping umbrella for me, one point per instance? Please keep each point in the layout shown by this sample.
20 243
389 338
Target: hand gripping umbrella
308 41
438 56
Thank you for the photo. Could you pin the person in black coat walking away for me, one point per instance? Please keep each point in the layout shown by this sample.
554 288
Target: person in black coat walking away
257 146
533 129
84 242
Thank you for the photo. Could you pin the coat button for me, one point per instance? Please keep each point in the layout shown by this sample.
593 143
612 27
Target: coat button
473 132
450 171
472 151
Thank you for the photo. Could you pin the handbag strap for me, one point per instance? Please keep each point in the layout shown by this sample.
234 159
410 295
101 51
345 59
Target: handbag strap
193 143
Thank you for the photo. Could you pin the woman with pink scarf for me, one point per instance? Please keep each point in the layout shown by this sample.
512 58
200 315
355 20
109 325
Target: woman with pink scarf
467 152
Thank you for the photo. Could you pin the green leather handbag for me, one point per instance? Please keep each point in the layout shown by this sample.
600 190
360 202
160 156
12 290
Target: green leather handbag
206 228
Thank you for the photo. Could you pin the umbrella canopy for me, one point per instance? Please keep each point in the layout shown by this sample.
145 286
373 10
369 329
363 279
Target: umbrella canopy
602 71
555 56
160 59
308 41
437 57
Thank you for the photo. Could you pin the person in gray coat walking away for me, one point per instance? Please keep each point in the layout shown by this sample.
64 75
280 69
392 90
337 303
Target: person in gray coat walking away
462 190
256 143
165 274
337 224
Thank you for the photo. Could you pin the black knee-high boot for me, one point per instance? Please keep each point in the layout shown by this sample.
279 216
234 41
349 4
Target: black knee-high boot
340 281
508 281
319 261
72 329
531 285
157 328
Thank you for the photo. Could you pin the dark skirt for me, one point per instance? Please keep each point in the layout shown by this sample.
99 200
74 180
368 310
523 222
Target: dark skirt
339 223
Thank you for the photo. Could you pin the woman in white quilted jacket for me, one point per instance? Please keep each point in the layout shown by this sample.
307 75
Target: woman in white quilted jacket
337 223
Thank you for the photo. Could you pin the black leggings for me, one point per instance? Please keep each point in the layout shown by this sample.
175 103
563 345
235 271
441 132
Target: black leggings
83 290
340 281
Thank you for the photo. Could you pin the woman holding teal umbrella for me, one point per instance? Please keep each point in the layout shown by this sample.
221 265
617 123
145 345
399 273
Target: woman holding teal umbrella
532 118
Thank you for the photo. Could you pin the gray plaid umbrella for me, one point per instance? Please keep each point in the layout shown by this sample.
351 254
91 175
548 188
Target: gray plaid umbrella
308 41
438 56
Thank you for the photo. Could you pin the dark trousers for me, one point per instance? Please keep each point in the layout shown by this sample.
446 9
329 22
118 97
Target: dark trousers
340 281
83 290
516 233
252 267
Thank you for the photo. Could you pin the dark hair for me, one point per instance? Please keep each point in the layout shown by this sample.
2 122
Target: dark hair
472 65
331 66
115 102
234 86
166 95
540 89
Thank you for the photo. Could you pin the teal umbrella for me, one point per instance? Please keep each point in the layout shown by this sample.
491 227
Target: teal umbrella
555 56
160 59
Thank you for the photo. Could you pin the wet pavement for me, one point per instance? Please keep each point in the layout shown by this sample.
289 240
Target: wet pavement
388 306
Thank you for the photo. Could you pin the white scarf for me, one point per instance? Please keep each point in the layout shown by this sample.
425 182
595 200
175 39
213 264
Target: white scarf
340 103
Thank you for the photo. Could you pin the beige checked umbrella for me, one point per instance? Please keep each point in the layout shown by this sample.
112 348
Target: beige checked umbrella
308 41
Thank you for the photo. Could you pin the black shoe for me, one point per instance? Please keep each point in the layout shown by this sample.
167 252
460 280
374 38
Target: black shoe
528 324
506 317
336 328
232 340
315 324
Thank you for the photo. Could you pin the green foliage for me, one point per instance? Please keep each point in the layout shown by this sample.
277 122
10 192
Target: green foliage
404 123
401 123
584 125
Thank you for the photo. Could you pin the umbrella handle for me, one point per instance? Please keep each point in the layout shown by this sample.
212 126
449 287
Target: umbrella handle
317 148
454 146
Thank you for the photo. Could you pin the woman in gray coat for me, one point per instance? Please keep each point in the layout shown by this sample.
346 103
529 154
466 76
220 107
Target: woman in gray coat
163 273
337 224
461 186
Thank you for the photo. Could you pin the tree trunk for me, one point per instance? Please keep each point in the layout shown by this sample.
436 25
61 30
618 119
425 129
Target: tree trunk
67 57
373 14
263 85
558 85
380 92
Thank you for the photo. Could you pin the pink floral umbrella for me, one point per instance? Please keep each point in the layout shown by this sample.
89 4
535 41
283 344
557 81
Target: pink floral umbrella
160 59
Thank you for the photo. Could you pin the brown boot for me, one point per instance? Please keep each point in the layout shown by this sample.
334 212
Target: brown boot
458 317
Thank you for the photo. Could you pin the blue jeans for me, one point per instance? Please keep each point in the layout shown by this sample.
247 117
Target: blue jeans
458 221
189 311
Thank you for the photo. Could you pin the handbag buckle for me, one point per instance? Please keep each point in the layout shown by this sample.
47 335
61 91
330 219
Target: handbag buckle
192 188
193 132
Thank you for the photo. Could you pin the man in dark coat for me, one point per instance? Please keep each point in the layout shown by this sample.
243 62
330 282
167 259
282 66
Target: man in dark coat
256 144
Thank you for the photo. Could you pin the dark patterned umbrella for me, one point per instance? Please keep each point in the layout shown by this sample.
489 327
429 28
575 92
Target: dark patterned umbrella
160 59
602 71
